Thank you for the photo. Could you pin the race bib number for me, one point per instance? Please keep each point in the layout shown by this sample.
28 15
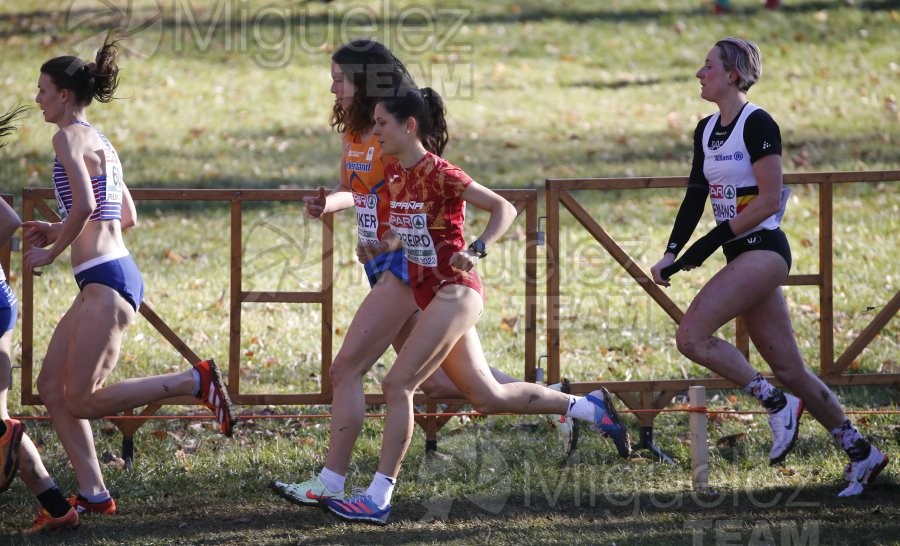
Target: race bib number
60 205
412 229
366 217
785 194
724 201
114 178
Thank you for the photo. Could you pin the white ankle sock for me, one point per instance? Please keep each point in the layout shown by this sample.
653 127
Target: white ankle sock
580 408
381 489
102 496
332 480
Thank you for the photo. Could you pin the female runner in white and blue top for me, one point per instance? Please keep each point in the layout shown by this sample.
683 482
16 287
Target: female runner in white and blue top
95 206
737 163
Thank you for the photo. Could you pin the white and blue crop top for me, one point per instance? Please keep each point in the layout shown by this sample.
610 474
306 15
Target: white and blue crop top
107 187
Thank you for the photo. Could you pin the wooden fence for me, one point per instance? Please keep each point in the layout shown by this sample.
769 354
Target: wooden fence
649 396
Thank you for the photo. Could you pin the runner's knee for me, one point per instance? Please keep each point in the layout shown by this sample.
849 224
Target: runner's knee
688 343
344 370
394 387
50 387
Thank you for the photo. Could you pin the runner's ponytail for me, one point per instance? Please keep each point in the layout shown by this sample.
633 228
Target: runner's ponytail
89 81
427 107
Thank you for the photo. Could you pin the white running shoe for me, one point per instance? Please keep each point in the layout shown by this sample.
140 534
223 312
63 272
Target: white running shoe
785 424
863 472
308 493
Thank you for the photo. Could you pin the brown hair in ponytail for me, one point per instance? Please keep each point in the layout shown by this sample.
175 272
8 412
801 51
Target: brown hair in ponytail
89 81
427 107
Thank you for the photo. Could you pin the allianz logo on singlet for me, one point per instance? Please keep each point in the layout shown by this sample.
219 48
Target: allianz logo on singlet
358 166
736 156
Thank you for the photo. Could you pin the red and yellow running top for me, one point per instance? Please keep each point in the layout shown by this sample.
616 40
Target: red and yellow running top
428 214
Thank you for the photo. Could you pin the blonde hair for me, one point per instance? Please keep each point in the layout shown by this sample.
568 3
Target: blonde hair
742 56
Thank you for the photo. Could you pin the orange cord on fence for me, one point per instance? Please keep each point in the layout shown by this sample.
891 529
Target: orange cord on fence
471 414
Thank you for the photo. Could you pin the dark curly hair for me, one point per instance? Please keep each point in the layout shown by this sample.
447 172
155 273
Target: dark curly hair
374 71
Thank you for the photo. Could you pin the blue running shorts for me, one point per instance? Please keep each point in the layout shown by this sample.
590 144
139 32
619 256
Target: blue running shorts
120 274
394 261
8 307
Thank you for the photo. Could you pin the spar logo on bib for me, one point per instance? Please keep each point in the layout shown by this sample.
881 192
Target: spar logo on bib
418 221
719 191
722 197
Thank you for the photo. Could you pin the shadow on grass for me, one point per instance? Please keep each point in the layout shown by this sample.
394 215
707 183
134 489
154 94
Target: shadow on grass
645 518
637 517
210 17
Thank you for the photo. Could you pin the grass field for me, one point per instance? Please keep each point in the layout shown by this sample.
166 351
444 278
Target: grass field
219 93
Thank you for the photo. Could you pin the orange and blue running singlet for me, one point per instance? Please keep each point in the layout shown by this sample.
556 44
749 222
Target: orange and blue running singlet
362 170
428 214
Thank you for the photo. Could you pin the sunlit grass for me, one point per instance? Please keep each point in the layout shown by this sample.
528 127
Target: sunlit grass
536 91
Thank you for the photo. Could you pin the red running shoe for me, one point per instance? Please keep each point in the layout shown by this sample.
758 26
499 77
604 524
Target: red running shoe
84 506
9 452
45 522
214 395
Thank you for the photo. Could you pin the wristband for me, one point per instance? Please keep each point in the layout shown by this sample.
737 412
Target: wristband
670 270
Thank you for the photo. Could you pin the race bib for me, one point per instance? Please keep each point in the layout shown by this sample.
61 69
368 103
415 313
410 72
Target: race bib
114 178
724 201
785 194
412 229
366 217
60 205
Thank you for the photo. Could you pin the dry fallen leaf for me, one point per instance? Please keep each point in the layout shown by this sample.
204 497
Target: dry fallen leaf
173 256
508 324
730 441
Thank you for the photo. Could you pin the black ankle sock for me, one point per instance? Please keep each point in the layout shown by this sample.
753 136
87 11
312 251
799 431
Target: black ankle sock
53 502
776 402
860 449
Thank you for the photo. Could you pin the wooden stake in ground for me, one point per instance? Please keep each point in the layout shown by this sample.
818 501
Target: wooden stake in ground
699 456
